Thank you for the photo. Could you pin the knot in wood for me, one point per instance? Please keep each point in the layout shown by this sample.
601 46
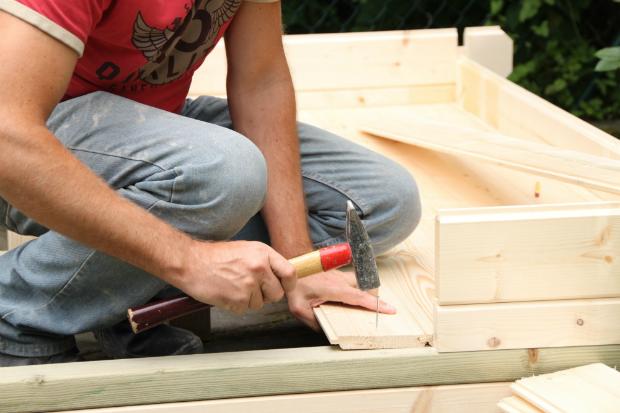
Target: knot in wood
579 322
494 342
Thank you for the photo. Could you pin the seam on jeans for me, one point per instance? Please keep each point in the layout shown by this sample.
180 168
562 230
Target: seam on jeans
63 287
118 156
349 193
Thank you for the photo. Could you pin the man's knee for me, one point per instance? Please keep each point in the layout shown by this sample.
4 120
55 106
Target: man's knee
221 195
398 208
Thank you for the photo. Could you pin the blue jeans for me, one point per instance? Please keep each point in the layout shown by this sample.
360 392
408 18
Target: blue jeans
196 173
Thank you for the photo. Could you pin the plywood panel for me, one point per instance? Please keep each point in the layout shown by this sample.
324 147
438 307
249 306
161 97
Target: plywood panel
528 253
536 324
471 398
591 388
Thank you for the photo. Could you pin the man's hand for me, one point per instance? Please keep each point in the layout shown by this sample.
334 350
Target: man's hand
334 286
236 275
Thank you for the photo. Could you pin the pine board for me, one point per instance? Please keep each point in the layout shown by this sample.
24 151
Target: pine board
528 253
591 388
540 159
515 404
535 324
271 372
468 398
410 327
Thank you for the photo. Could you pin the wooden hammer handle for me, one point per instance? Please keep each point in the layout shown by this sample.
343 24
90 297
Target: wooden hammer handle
152 314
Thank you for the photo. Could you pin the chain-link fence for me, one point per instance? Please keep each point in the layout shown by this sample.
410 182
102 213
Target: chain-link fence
555 40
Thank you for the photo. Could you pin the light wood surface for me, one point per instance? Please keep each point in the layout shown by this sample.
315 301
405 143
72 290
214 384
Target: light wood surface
528 253
489 46
469 398
412 326
540 159
535 324
514 111
335 61
515 404
444 181
591 388
14 240
271 372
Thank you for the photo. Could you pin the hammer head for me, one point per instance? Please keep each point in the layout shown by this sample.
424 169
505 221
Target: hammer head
363 258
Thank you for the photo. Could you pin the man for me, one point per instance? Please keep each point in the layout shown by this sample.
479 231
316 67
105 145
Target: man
132 189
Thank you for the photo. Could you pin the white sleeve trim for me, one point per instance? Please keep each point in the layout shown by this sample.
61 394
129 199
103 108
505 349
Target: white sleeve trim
42 23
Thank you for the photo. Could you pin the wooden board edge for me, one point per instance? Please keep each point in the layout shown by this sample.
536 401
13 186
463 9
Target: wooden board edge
272 372
480 398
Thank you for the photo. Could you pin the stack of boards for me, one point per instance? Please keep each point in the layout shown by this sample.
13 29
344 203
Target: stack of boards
591 388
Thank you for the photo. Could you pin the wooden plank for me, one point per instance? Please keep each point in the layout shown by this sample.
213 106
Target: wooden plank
271 372
3 239
15 240
534 324
528 253
469 398
388 59
540 159
373 97
514 111
591 388
515 404
489 46
410 291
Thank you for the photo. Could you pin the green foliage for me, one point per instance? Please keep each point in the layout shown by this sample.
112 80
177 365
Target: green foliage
555 52
610 59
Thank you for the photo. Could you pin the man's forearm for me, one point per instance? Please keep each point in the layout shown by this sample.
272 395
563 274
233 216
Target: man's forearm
266 114
46 182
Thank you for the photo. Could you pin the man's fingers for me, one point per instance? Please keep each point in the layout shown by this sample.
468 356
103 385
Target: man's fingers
360 298
256 300
283 269
272 290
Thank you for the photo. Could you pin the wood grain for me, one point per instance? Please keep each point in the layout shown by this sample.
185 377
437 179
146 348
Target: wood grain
411 326
540 159
271 372
324 62
528 253
591 388
515 404
536 324
468 398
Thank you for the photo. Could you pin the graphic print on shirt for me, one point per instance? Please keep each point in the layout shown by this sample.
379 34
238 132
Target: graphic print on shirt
171 51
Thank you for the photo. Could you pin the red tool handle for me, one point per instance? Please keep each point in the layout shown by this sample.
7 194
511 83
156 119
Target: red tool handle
152 314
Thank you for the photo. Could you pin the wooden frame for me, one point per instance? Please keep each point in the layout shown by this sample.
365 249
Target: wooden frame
361 76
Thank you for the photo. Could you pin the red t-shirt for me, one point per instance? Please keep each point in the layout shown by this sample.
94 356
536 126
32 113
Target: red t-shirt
145 50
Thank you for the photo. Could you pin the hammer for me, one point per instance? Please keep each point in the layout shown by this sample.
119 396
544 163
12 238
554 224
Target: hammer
357 250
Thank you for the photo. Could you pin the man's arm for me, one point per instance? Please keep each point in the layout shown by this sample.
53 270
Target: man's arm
47 183
262 107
